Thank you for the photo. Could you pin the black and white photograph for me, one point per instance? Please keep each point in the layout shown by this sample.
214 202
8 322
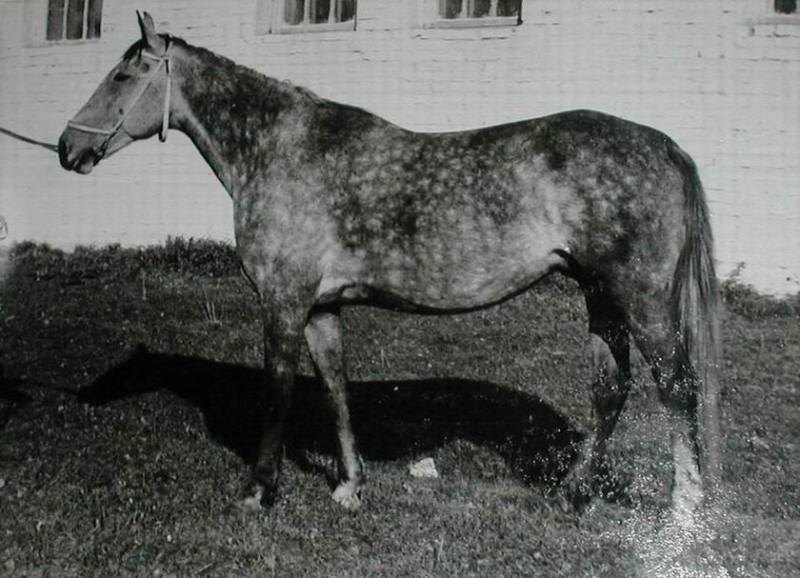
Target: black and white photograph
400 288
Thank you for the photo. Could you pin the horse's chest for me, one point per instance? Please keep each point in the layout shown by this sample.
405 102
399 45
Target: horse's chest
286 229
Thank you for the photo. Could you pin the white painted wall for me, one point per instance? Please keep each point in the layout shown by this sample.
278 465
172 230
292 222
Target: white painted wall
722 77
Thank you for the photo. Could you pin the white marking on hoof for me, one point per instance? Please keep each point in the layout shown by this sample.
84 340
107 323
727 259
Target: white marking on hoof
687 489
252 503
424 468
346 495
674 549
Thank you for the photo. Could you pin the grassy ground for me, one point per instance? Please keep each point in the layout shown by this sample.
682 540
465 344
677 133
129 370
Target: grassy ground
119 460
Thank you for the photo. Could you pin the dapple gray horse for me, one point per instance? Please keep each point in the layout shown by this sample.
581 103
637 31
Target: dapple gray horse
335 206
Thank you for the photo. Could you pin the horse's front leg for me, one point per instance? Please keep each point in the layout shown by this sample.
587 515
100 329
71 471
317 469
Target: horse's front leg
324 338
283 326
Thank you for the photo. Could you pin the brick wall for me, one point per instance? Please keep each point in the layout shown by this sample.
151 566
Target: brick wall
722 77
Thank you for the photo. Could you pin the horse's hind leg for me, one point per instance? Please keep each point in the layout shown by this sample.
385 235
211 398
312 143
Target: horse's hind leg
610 349
678 393
324 336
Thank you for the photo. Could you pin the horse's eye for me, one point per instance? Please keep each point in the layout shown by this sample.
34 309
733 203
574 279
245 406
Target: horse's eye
121 76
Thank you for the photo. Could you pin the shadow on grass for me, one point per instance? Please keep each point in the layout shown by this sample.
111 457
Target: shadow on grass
391 419
11 396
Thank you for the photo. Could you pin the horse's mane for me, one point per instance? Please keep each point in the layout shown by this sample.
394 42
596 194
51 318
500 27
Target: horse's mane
225 64
240 104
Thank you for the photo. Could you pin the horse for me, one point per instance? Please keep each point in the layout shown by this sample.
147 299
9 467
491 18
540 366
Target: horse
334 206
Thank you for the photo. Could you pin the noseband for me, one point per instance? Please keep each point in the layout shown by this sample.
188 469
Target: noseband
110 132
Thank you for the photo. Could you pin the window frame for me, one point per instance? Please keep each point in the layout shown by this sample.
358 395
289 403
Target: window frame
776 11
438 21
271 20
770 16
87 34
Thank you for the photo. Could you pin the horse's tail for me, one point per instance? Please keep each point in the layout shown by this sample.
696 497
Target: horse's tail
695 306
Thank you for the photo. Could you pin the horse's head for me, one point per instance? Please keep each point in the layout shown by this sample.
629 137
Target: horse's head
131 103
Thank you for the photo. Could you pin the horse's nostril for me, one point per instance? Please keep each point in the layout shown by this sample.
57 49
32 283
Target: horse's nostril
63 152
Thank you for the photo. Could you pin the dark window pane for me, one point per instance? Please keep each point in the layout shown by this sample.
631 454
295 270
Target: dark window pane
293 11
320 10
508 7
450 8
347 10
75 19
55 19
786 6
480 8
93 19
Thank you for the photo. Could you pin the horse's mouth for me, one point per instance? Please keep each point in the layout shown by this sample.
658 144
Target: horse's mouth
82 163
86 163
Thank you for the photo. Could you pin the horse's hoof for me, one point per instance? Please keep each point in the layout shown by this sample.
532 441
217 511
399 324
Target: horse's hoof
251 504
259 496
611 488
578 496
687 502
347 495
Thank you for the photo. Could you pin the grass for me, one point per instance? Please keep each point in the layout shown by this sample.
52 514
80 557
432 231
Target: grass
127 461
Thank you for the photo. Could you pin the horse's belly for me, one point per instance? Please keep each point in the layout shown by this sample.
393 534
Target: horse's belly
438 286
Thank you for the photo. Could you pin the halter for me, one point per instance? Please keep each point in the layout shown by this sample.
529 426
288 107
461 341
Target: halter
109 133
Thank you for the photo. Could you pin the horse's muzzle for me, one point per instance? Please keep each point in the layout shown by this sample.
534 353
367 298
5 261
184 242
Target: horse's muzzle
80 159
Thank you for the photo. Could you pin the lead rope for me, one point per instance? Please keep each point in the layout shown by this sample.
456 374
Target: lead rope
25 139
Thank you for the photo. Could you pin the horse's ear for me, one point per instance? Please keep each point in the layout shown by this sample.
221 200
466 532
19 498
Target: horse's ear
149 35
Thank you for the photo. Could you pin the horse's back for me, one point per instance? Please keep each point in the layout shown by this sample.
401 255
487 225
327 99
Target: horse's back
454 219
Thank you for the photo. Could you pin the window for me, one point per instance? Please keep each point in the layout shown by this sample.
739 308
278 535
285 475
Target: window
318 11
478 8
307 15
771 16
458 13
73 19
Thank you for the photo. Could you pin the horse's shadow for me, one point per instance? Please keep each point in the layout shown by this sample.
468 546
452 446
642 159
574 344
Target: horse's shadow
391 419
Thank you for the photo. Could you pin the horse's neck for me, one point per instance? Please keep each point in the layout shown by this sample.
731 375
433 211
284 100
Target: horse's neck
229 114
